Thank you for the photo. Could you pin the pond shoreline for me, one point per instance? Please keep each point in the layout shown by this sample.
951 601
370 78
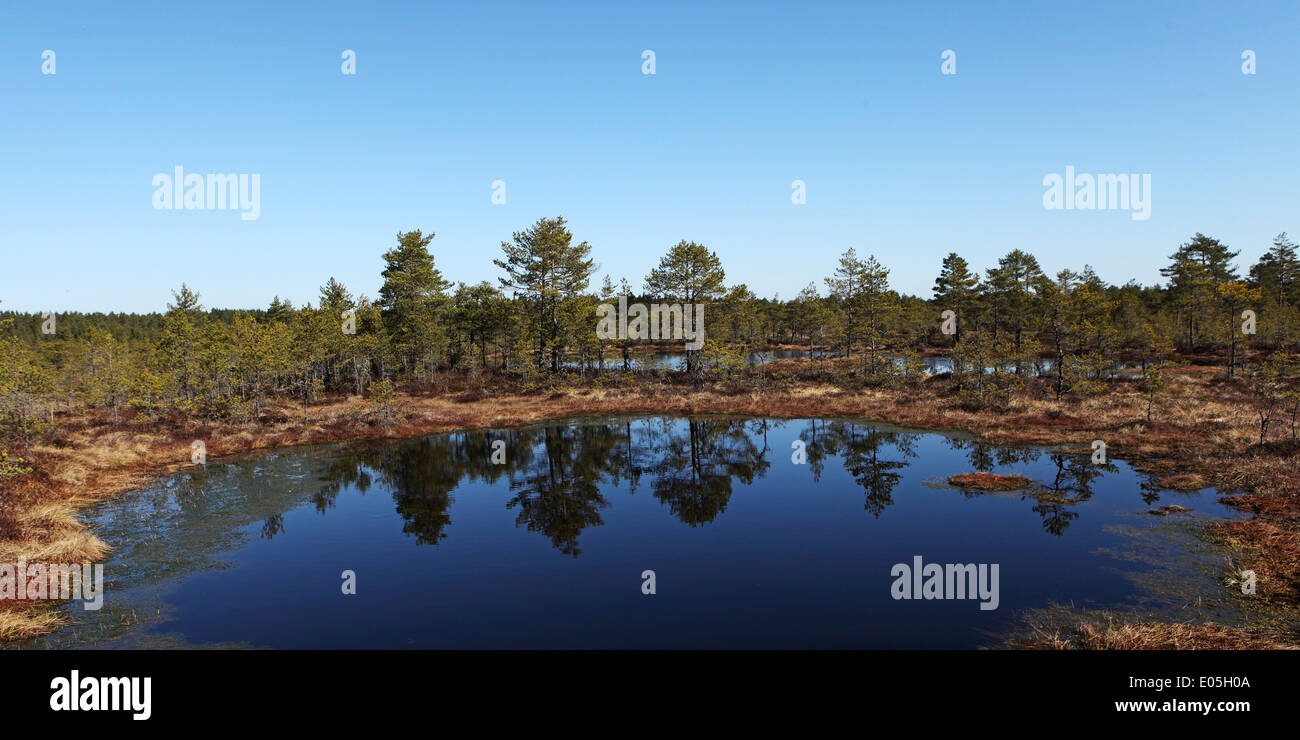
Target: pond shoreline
435 488
99 461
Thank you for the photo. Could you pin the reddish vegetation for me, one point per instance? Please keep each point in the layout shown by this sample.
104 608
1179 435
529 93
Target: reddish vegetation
1276 561
1110 635
1054 420
989 481
1187 482
1203 434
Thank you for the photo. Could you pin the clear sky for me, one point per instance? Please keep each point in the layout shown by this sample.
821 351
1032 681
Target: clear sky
899 160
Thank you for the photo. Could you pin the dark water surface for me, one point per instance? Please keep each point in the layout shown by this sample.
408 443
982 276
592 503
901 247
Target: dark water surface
547 550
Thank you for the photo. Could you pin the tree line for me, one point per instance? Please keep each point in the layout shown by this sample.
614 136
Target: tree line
538 319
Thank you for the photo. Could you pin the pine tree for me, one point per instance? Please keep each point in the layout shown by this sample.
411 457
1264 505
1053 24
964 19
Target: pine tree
279 310
1278 271
956 289
809 313
1277 277
1198 268
411 301
548 272
877 307
1232 298
108 381
1013 288
180 344
846 286
187 301
688 274
476 314
336 303
1075 321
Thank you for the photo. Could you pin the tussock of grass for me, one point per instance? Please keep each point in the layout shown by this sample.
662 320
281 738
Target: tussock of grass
1108 634
68 547
53 534
23 621
989 481
1187 482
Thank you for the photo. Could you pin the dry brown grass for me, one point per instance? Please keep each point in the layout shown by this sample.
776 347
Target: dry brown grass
1203 434
1112 635
1187 482
989 481
1272 551
25 621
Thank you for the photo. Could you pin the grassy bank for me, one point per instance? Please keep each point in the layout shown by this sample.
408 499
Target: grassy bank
1203 433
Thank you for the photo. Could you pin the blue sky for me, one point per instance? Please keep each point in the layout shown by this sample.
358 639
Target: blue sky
900 161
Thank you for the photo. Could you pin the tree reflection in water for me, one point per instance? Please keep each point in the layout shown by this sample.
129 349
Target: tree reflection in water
694 463
1071 483
558 474
860 447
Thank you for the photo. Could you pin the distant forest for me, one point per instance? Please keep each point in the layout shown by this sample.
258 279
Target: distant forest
539 319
